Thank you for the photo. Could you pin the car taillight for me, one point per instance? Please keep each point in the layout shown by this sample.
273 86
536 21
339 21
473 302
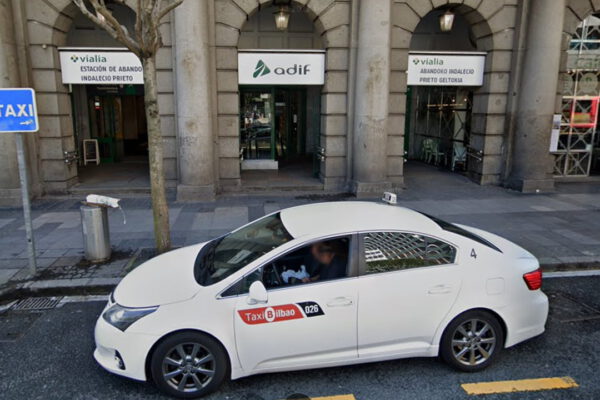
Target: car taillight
533 279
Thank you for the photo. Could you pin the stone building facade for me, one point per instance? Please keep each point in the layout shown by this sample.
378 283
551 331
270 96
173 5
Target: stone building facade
358 127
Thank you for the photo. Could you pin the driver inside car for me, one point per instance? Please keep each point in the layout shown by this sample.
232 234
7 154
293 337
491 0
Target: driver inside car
329 262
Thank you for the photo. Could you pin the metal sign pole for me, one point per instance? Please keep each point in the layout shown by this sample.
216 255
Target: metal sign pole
18 114
26 204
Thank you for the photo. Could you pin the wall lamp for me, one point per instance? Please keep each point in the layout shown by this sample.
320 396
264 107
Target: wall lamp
282 16
446 21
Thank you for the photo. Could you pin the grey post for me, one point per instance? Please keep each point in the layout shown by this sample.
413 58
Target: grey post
371 106
194 90
531 169
19 139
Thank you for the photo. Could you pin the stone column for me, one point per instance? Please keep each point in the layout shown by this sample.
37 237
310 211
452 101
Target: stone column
532 164
194 101
372 96
9 77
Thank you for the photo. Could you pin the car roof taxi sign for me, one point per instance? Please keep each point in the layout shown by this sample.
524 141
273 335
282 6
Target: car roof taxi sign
390 198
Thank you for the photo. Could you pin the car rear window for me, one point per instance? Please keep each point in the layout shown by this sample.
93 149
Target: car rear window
447 226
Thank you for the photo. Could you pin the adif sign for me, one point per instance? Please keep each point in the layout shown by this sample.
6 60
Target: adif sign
446 69
290 68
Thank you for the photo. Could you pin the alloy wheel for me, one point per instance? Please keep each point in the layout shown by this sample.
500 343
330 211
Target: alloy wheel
473 342
188 367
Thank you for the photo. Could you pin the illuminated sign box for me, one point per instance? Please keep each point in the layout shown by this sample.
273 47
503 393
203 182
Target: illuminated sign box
445 69
100 67
281 68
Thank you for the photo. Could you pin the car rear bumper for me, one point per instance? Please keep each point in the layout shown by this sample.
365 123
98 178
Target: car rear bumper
131 348
528 321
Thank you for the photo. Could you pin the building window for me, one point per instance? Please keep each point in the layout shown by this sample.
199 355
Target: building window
396 251
577 150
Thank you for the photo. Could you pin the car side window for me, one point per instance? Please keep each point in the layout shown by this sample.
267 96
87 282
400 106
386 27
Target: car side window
319 261
395 251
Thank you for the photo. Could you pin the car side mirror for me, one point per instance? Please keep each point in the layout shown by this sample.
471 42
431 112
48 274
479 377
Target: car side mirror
257 293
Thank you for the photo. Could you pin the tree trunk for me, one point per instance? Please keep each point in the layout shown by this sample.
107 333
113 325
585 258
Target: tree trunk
160 208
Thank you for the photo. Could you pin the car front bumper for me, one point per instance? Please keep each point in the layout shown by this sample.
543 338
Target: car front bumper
131 348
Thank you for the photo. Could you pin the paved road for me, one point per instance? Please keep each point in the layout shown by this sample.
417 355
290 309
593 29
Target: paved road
53 360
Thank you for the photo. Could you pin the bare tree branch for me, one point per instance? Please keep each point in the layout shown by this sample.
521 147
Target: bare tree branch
168 8
105 20
101 9
138 22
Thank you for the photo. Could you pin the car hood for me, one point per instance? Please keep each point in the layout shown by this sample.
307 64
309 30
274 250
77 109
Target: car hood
167 278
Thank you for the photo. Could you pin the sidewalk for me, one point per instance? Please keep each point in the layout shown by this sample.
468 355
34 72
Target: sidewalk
562 229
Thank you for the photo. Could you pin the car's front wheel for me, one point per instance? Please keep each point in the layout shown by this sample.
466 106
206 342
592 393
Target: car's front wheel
472 341
188 365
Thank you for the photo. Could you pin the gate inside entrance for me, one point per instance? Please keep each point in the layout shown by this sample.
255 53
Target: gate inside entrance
439 124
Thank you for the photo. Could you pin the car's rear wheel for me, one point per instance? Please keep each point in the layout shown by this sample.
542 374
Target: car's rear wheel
472 341
188 365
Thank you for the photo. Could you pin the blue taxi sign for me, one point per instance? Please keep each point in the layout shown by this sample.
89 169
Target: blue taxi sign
18 111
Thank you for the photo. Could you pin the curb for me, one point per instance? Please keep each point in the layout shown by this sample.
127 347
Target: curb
17 293
570 266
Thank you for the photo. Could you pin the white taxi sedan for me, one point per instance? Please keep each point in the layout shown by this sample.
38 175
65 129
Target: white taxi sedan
321 285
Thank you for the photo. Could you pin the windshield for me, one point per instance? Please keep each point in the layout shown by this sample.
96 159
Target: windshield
223 256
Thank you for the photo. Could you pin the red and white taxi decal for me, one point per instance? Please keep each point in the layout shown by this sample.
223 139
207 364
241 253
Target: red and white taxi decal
280 313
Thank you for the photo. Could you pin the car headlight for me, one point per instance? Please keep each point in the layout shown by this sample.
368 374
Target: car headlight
122 317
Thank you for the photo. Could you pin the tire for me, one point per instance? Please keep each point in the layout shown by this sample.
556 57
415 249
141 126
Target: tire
472 349
189 365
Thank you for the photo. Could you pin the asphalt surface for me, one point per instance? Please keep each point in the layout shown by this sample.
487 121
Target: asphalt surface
48 355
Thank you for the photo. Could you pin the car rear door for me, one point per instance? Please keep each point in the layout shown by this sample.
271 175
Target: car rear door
408 282
303 325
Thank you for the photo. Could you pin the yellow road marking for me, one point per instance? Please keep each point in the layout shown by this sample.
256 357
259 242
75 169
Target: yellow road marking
523 385
336 397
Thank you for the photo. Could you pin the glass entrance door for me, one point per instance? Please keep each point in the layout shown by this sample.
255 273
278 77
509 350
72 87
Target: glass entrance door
290 140
273 125
256 124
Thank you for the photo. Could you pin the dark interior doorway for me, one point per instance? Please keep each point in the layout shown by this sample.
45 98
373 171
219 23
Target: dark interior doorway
118 122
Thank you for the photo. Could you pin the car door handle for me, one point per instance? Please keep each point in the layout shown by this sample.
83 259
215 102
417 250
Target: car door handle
440 289
339 302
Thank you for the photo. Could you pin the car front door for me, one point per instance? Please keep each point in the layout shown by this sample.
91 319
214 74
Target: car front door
301 325
408 284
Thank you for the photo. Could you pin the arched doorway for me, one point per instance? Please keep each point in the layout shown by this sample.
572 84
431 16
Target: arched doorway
110 113
438 120
492 26
279 120
331 21
52 26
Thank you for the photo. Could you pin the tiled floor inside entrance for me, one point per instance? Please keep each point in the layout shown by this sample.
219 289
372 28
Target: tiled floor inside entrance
127 174
296 176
